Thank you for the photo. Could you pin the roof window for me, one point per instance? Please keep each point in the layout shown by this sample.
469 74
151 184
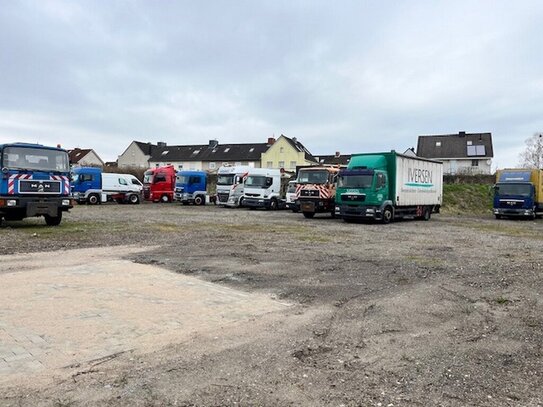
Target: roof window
227 149
165 152
476 151
438 143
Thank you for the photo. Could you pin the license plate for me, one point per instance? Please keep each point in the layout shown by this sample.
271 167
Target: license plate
307 207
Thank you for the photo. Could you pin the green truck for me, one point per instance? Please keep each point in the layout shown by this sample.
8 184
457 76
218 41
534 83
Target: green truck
387 186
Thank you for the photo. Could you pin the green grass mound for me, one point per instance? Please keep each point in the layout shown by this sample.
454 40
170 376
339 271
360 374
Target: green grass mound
467 199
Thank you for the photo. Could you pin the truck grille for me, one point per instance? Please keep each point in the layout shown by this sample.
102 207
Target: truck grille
353 198
39 187
223 198
309 192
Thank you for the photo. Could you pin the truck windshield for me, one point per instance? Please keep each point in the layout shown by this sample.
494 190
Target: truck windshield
312 177
227 179
182 179
256 181
148 177
514 189
355 181
35 159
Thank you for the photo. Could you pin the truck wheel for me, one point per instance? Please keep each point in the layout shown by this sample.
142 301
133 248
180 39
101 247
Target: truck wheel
240 202
273 204
498 216
309 215
134 199
387 215
93 199
53 220
199 200
164 199
427 213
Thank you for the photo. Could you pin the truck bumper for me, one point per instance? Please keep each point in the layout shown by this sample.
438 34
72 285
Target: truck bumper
513 212
316 206
256 202
358 212
24 207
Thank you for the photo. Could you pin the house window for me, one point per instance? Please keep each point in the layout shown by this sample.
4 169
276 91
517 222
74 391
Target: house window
269 164
212 166
474 163
157 165
469 143
238 163
293 164
438 143
180 167
281 164
281 150
251 164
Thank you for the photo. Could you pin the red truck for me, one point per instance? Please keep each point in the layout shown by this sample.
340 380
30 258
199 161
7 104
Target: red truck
159 184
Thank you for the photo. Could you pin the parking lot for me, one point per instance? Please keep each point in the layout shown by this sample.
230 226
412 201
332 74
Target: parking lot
161 304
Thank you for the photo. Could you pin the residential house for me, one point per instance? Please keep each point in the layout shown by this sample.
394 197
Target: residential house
287 153
208 157
83 157
462 153
138 154
336 159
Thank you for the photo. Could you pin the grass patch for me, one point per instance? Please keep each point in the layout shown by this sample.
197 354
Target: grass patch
467 199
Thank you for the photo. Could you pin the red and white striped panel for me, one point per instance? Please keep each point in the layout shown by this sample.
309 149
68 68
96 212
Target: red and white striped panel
65 182
13 178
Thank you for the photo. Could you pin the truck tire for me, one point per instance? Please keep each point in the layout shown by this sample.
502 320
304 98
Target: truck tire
427 213
498 216
93 199
273 204
199 200
309 215
240 202
134 199
164 199
387 215
53 220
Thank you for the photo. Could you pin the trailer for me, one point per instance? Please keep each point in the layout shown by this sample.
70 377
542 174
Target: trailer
388 186
518 193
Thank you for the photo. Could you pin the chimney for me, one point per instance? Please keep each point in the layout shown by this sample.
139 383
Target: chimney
337 154
161 144
294 139
213 143
462 134
271 140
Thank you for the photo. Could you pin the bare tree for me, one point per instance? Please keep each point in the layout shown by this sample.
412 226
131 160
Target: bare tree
532 156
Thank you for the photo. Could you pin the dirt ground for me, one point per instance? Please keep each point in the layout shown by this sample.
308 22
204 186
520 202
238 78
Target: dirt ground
446 312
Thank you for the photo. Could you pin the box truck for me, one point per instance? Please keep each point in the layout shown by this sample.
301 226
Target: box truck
518 193
92 186
388 186
230 184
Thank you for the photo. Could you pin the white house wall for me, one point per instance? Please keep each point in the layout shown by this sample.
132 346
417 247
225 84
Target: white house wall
133 157
464 166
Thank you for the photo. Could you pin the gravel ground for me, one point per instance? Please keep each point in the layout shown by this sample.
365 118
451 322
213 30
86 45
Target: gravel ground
446 312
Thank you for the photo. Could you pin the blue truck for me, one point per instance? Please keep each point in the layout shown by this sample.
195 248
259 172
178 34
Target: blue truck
35 181
518 192
92 186
191 187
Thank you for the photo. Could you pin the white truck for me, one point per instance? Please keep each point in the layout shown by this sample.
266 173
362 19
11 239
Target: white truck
230 184
92 186
264 188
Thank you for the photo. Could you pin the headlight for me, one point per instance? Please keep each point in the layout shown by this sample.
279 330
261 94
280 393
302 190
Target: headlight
370 210
65 202
11 202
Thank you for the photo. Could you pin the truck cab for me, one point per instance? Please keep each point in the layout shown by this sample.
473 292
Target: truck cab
230 185
517 193
291 200
191 187
34 181
264 189
159 184
87 182
316 190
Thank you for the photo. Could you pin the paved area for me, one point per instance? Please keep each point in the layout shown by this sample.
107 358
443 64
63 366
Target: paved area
67 308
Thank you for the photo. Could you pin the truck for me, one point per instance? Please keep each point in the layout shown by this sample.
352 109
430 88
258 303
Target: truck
291 200
387 186
518 193
35 181
92 186
191 188
159 184
316 190
230 184
265 188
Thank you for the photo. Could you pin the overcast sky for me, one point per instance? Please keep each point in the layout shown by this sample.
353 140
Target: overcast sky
348 76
